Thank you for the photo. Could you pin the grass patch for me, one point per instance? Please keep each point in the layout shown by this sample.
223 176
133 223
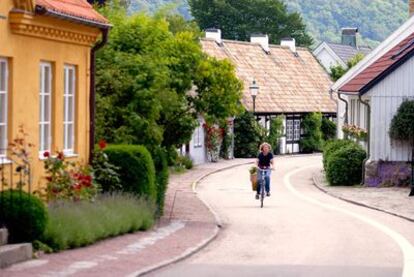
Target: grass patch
77 224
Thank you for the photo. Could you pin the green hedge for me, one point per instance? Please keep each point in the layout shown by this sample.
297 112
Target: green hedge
328 129
136 169
159 155
312 140
344 166
76 224
24 215
332 146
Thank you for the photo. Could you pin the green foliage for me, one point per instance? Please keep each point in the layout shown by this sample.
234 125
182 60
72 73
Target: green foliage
136 169
105 173
218 90
24 215
328 129
376 19
144 75
226 144
312 140
172 156
76 224
344 166
338 71
331 147
248 135
184 162
275 133
402 125
239 19
159 155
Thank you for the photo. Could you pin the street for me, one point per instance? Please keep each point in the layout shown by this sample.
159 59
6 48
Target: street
299 232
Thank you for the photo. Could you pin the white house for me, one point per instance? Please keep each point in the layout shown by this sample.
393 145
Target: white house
333 54
370 95
291 81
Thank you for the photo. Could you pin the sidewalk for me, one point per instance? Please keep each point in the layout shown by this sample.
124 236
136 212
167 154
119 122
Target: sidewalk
392 200
181 232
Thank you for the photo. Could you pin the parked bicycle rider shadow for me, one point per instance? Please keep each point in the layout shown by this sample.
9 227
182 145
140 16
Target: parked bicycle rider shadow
265 163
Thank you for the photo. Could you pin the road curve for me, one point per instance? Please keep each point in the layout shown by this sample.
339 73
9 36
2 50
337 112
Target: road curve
300 231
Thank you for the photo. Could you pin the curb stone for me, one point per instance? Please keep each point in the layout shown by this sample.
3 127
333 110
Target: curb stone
204 243
319 186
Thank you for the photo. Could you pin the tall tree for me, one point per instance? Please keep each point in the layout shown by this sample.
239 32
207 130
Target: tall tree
238 19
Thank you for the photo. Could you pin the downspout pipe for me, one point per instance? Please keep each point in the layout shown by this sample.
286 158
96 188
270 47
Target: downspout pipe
368 138
346 107
92 94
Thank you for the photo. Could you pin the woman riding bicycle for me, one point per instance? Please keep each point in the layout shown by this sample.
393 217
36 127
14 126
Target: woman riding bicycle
265 163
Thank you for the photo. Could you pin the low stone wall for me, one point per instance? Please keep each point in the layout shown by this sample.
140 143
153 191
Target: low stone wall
386 174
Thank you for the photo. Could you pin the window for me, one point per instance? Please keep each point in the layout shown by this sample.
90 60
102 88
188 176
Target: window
198 137
296 130
45 108
69 110
3 106
289 130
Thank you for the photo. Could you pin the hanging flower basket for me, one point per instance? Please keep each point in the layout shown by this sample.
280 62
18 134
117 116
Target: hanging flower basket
355 132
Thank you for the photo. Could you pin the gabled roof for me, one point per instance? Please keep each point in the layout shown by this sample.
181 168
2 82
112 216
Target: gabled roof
382 67
76 9
289 82
347 52
392 41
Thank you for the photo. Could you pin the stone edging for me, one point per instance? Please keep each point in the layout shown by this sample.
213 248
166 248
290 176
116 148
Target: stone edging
317 184
204 243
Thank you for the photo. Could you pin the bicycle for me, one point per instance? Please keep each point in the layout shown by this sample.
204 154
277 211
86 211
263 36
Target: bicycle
262 184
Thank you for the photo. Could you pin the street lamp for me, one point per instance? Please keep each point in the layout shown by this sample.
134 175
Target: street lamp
254 90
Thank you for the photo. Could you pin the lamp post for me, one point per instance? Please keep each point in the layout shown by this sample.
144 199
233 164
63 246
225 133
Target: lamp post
254 90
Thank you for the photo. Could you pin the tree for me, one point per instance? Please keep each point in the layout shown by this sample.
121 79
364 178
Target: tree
144 76
275 133
312 140
248 134
338 71
239 19
402 128
218 90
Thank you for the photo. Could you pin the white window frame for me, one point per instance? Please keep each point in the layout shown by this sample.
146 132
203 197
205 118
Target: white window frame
45 144
69 96
296 130
4 144
289 129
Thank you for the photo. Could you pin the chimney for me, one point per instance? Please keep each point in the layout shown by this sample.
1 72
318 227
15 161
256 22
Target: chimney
261 39
289 42
215 34
349 36
411 7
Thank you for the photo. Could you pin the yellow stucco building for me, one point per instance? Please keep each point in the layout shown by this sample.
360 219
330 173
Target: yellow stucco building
46 51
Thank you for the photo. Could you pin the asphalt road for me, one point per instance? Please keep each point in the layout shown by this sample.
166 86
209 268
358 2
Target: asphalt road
299 232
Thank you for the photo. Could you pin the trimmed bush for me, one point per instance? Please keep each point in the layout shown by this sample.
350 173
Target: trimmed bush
312 140
159 155
24 215
136 169
328 129
344 166
76 224
332 146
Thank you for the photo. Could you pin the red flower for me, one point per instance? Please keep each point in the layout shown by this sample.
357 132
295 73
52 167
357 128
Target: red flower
60 156
77 186
102 144
46 154
49 179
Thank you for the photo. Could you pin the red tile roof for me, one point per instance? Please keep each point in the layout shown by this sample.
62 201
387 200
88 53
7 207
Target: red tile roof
77 8
383 66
